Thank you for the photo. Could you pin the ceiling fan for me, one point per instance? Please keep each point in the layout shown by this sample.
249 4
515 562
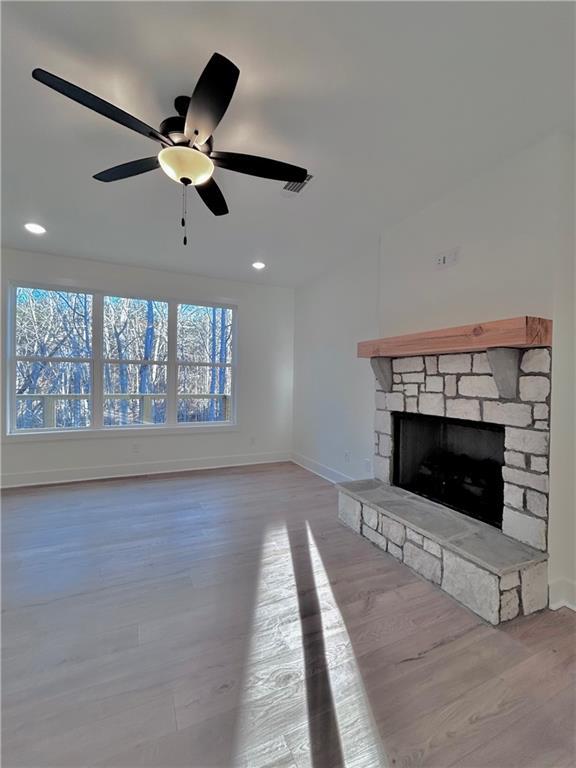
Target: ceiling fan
187 155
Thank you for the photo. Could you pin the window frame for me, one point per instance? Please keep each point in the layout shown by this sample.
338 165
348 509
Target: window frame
97 362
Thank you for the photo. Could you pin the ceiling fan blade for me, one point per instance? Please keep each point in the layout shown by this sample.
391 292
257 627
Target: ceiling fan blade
97 104
258 166
211 98
126 170
212 195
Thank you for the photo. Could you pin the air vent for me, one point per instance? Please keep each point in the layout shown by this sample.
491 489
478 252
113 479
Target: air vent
297 186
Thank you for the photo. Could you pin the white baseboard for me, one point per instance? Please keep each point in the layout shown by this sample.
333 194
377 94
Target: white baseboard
562 594
327 473
79 474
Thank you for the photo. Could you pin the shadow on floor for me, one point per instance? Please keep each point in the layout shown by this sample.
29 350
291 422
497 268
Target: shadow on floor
325 748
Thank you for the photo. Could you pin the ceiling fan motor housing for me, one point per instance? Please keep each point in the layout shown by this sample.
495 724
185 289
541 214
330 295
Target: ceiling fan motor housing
181 104
174 128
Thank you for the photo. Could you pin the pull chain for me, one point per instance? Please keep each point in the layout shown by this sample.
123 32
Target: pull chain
183 220
184 211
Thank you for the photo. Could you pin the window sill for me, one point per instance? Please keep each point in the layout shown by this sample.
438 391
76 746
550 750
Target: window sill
134 432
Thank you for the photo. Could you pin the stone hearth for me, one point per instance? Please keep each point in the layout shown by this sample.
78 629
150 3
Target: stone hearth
492 574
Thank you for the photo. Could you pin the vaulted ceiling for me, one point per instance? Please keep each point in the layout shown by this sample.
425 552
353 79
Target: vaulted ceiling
389 105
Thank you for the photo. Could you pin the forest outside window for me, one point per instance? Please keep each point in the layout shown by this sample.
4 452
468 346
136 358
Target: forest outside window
204 350
85 361
135 333
53 365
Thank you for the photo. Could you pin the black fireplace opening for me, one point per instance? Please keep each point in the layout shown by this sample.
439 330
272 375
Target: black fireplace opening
454 462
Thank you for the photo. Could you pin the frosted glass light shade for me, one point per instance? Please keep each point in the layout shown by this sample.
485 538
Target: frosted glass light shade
186 163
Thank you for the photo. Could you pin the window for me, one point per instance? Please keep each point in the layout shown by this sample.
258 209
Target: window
204 352
135 351
53 370
85 360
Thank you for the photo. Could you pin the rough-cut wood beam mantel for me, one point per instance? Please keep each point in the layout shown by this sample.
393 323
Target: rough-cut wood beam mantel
516 332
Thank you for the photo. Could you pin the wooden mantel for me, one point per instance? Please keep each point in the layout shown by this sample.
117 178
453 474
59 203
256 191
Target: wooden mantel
517 332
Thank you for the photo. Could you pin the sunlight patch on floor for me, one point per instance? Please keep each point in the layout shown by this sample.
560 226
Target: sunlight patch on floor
303 695
274 691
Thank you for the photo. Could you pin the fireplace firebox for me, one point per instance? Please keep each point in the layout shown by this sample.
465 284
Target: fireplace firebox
454 462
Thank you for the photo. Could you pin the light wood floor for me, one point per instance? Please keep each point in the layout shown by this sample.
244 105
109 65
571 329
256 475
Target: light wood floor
225 618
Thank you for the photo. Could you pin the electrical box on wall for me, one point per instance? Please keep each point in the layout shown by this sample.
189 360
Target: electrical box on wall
447 258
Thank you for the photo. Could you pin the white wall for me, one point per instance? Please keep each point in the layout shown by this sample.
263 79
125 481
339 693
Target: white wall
511 225
264 380
506 224
562 530
333 390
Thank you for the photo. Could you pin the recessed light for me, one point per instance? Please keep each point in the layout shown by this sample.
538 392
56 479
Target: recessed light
35 229
259 265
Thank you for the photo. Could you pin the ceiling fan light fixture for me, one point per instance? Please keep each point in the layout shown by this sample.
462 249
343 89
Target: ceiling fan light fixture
179 163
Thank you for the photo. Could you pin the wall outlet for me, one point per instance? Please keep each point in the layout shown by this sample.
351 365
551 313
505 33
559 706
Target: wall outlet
136 447
447 258
346 457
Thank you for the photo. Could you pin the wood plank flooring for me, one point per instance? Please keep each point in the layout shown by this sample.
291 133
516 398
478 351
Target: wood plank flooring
225 619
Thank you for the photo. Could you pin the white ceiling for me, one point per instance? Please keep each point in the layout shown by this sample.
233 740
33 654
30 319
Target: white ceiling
389 105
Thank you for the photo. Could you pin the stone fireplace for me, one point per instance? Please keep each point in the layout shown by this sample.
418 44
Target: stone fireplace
460 492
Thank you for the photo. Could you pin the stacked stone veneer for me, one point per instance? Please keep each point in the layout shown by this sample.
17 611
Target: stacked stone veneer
494 595
462 386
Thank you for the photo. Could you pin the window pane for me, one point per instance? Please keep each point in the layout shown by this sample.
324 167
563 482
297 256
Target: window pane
52 411
123 411
52 378
204 334
203 380
51 382
204 409
72 413
127 378
29 413
53 323
135 329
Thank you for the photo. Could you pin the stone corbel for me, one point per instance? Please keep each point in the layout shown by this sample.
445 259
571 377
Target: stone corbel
382 367
504 362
